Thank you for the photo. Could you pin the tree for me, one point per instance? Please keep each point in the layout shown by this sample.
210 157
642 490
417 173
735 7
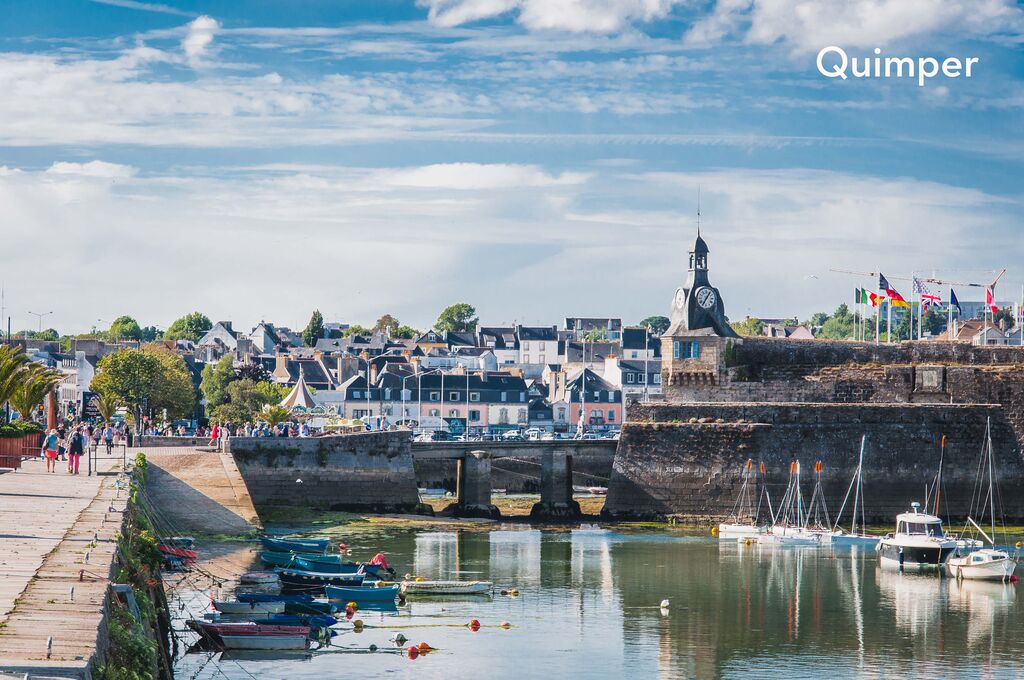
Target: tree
657 324
48 335
246 398
189 327
596 335
749 326
150 334
253 371
125 328
34 383
356 329
149 379
818 320
215 381
457 318
274 414
405 332
935 321
12 364
174 390
386 324
314 329
107 406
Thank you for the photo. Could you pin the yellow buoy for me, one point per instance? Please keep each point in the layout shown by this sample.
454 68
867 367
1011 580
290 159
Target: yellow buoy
714 531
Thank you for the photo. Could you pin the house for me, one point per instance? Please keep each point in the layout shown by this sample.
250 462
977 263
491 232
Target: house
578 354
587 393
469 358
639 343
785 331
977 332
285 370
502 341
540 414
220 340
579 327
264 338
537 344
637 378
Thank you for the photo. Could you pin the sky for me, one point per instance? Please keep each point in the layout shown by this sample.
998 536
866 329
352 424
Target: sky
535 158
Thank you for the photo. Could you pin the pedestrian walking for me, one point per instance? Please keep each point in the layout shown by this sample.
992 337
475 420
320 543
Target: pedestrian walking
108 439
75 449
50 450
215 435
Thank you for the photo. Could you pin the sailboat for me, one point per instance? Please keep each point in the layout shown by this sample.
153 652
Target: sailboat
743 522
988 564
789 526
841 538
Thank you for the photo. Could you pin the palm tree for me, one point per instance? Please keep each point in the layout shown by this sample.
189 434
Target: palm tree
12 364
34 383
107 405
274 414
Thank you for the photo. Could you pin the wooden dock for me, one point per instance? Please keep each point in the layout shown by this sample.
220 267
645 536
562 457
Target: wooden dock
58 539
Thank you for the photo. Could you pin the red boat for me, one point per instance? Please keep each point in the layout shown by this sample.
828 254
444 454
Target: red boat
215 630
183 553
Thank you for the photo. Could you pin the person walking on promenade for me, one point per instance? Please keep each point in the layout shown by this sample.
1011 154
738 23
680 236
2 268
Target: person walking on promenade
97 434
108 439
50 450
215 435
75 450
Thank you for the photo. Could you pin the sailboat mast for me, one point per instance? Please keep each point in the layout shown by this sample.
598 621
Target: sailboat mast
856 494
991 474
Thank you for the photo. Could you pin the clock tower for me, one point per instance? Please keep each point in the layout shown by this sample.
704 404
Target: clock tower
697 308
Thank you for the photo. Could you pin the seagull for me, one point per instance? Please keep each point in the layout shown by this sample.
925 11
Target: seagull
298 481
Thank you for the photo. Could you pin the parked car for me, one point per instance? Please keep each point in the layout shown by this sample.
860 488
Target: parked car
534 433
440 436
513 436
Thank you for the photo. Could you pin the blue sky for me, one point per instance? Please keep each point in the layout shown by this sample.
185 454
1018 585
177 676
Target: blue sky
536 158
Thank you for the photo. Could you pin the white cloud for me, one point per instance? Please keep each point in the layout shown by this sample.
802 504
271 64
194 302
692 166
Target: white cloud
599 16
809 25
477 176
200 35
145 6
93 169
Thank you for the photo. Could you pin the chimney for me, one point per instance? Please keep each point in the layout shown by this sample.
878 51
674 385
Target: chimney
281 366
415 361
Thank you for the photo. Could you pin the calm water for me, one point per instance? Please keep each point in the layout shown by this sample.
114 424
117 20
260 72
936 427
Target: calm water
588 607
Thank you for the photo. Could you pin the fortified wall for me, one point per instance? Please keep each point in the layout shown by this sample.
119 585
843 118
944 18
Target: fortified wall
361 472
772 400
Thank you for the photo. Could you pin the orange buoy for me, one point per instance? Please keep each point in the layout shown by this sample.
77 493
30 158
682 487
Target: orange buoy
424 647
474 625
413 651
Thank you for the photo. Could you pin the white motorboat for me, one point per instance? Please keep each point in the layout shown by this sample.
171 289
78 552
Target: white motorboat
918 543
446 587
249 607
265 641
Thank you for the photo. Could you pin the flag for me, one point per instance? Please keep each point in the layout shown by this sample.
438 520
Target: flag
863 296
876 300
857 295
953 302
895 299
928 299
989 301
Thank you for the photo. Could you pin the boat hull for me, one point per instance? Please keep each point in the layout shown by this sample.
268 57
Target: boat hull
895 556
382 594
311 545
731 532
295 579
249 607
997 569
265 641
419 588
847 540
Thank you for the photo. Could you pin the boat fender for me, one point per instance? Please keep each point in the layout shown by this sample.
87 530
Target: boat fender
513 593
474 625
357 626
424 648
372 648
413 651
1013 578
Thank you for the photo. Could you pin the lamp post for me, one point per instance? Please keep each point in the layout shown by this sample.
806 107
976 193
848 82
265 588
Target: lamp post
419 389
40 317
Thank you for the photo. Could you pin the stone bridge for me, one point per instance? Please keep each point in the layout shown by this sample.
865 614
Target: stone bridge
474 468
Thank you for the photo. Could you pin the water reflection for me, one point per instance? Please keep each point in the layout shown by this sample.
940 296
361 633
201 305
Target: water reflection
589 608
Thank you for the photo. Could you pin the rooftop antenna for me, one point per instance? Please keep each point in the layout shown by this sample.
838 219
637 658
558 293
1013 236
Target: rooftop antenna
698 210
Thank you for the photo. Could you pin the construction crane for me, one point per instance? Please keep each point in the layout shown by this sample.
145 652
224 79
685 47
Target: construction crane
931 279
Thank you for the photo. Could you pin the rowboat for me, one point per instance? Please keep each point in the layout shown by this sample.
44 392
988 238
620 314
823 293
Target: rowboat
179 542
214 631
446 587
311 620
310 545
259 578
369 594
249 607
183 553
265 641
271 597
297 579
306 563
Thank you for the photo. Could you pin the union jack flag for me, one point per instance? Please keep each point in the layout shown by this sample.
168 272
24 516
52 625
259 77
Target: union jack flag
927 297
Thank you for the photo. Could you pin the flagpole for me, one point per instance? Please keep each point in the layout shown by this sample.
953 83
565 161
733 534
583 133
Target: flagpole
878 322
949 323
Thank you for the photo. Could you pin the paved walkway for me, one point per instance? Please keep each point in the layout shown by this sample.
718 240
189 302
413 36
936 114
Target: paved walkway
57 533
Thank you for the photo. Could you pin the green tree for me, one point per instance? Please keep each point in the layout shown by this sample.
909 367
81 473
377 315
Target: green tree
12 364
596 335
356 329
657 324
386 324
405 332
749 326
174 391
818 320
246 398
151 379
189 327
457 318
125 328
314 329
47 335
107 406
150 334
935 321
35 382
215 381
274 414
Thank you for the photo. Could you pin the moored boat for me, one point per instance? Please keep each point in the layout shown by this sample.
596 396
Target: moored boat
273 597
367 594
214 631
265 641
311 620
744 522
261 578
297 579
311 545
918 542
249 607
446 587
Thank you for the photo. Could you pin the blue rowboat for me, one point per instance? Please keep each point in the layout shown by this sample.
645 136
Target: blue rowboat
267 597
311 608
311 620
311 545
306 563
382 594
298 579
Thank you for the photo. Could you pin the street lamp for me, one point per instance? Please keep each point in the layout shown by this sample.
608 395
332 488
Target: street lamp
40 316
419 390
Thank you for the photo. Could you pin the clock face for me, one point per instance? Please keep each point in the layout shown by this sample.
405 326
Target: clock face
706 298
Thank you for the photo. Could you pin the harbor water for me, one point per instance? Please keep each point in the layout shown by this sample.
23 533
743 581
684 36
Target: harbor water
588 607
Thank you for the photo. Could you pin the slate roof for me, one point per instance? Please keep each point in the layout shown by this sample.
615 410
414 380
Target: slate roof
596 351
502 337
546 333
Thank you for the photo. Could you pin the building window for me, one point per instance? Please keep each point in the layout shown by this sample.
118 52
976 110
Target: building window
503 416
561 414
504 396
522 415
474 396
453 413
597 394
453 396
685 349
522 396
526 346
634 354
657 378
540 359
434 412
435 396
611 416
474 416
526 358
355 395
629 377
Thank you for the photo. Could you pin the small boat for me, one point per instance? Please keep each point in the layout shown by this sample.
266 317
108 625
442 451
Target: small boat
297 579
368 594
985 564
259 578
265 641
183 553
328 567
744 518
310 545
918 542
187 542
249 607
311 608
272 597
214 631
311 620
446 587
